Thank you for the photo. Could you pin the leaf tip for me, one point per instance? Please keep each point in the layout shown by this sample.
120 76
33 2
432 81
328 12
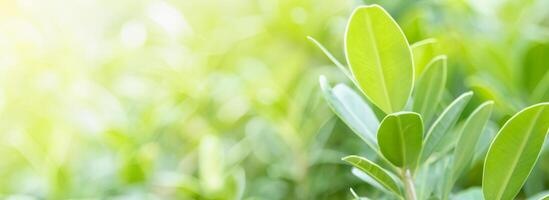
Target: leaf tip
349 158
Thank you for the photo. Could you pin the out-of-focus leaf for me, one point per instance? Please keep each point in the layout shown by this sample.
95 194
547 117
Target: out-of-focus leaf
423 51
535 73
540 196
514 152
484 141
469 194
356 197
211 164
352 109
380 57
541 92
429 88
535 182
374 171
400 138
442 126
535 65
469 136
429 178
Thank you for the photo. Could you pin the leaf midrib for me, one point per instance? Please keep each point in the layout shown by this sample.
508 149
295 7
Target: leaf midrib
378 60
517 157
402 142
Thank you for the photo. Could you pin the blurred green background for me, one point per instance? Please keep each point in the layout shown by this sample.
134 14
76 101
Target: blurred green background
219 99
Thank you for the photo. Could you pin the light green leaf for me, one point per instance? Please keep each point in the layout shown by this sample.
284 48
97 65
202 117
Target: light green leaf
374 171
423 51
429 88
400 138
514 152
442 126
380 57
351 108
469 137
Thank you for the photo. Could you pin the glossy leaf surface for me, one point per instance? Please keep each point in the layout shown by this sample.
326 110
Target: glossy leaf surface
514 152
373 41
400 138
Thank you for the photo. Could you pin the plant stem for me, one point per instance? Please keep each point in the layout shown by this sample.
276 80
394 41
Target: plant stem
409 185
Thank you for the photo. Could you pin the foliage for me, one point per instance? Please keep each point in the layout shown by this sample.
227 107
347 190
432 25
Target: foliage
407 152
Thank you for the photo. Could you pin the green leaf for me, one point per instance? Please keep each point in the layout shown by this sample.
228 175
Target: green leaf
541 92
356 197
400 137
535 65
332 58
469 137
442 126
374 171
380 57
366 178
429 88
514 152
429 178
540 196
353 110
535 182
422 51
469 194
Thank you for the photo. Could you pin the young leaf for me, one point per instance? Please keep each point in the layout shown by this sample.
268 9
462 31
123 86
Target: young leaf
514 152
443 124
341 67
400 137
352 109
429 88
380 58
423 51
469 137
374 171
